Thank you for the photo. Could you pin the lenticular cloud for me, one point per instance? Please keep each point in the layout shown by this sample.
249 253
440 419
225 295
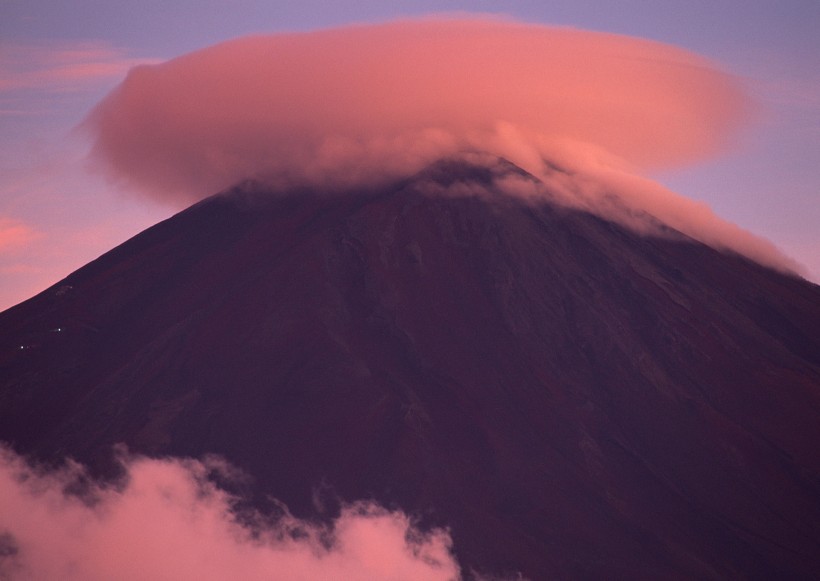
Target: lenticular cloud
356 104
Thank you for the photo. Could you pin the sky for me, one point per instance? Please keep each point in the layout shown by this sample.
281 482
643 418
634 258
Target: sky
57 60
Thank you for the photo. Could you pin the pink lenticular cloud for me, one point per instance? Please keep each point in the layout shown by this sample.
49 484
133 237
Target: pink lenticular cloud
358 105
303 107
170 522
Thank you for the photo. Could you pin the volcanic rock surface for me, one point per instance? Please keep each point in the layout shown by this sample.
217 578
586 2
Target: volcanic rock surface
572 399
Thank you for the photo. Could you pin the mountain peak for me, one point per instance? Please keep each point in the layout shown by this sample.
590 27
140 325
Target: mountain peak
569 397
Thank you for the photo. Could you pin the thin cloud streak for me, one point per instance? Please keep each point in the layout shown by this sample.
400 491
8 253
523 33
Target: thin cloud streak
62 67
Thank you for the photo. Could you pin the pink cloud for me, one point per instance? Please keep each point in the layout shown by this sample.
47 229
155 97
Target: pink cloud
15 235
170 522
307 107
60 67
355 106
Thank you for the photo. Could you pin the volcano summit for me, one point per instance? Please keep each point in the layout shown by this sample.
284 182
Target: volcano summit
570 398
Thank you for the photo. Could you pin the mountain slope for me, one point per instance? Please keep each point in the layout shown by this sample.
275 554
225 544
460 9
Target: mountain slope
572 399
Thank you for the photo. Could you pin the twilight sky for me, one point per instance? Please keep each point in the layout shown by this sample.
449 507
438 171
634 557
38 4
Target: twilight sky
57 60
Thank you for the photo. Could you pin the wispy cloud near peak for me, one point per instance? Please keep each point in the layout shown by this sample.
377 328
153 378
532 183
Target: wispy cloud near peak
61 66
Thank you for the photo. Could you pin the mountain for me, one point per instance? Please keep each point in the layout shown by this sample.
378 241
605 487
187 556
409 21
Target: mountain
570 398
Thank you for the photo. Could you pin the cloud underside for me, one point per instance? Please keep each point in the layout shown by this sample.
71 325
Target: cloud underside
168 521
356 106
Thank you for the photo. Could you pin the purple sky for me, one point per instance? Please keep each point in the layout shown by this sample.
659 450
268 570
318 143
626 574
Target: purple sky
58 58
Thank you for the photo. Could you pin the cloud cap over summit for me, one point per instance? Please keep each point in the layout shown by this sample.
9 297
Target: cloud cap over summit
584 112
354 104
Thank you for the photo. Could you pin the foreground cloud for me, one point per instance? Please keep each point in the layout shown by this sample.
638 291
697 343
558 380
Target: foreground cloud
170 522
354 106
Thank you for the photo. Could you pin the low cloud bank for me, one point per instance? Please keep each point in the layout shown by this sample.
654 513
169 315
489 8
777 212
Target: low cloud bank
169 521
360 105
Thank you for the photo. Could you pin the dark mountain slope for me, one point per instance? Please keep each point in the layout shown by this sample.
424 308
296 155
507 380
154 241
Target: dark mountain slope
572 399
